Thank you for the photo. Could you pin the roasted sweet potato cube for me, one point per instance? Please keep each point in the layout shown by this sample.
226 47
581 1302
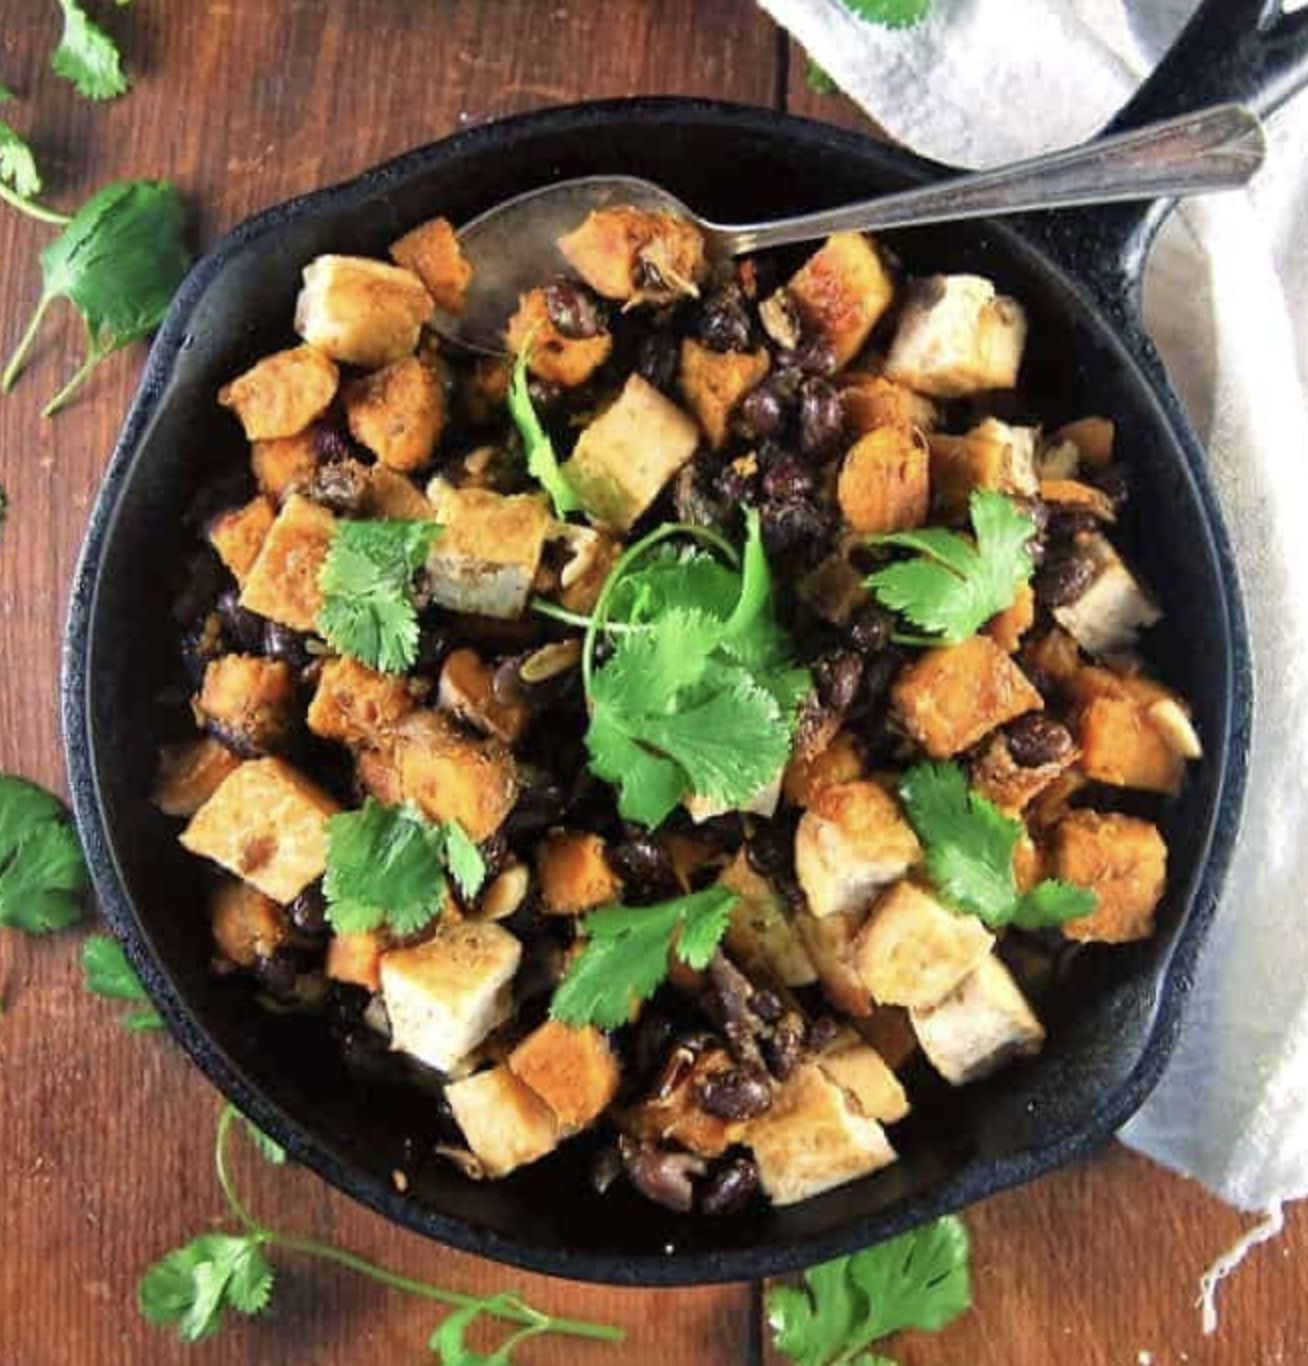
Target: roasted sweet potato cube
884 482
398 412
356 705
955 694
247 701
674 1117
761 935
356 958
394 495
267 824
1092 437
1054 653
282 584
1122 746
360 311
863 1074
247 925
1123 861
378 772
1071 495
284 465
467 690
189 774
840 761
959 465
635 256
505 1123
568 361
872 401
431 251
714 382
283 393
572 1070
841 291
452 777
999 778
829 942
1018 471
238 535
1007 628
574 873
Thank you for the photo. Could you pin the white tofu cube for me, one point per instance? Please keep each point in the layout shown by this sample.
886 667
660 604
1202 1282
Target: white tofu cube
1018 474
957 336
763 803
505 1123
829 943
360 311
862 1073
1114 609
761 934
445 995
851 842
979 1026
1059 460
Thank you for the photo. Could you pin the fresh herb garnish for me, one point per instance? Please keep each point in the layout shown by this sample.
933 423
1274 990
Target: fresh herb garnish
193 1286
817 79
18 167
628 953
41 864
367 585
542 462
106 972
387 865
87 56
889 13
918 1280
956 587
969 847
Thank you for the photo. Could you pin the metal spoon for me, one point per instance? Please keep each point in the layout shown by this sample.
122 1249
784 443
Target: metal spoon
513 247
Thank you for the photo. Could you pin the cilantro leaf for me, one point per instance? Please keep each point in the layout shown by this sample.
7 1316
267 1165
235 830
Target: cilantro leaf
466 865
627 954
192 1285
542 462
918 1280
41 864
367 585
969 847
955 588
450 1344
87 56
106 972
818 79
889 13
18 164
269 1148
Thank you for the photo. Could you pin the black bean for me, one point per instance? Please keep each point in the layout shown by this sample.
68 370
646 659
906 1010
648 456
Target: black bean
1063 578
241 627
837 679
495 854
329 443
342 486
435 641
546 394
766 1004
822 1033
666 1178
1065 524
277 973
724 322
693 498
763 412
821 418
736 483
791 524
647 1049
1040 679
1037 739
645 867
574 310
1114 481
309 910
730 1188
871 629
814 357
346 1003
656 359
542 802
785 1049
281 642
735 1093
605 1168
788 478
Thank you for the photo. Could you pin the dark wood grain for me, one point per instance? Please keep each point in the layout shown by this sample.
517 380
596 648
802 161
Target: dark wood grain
104 1136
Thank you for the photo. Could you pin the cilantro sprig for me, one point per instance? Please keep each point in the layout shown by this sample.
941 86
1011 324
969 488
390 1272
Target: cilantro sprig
955 587
41 864
87 56
969 847
106 972
542 462
18 169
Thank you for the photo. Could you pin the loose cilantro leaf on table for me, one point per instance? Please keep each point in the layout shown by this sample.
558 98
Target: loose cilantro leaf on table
918 1280
956 587
628 952
107 972
889 13
969 847
387 864
17 163
41 865
542 462
450 1344
87 56
192 1286
367 585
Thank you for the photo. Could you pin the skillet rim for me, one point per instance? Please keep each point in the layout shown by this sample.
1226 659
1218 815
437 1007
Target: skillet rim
770 1256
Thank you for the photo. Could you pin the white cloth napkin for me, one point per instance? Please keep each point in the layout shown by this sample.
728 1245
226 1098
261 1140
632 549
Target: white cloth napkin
1226 301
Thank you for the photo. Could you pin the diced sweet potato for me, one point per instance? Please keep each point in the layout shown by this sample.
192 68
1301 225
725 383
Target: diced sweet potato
1092 437
568 361
1018 471
283 393
637 257
673 1116
841 291
1007 628
378 772
1122 746
955 694
841 761
452 777
574 873
872 401
247 701
356 958
282 584
762 935
431 251
1071 495
394 495
284 465
360 311
505 1122
238 535
356 705
398 412
467 691
189 774
1123 861
572 1070
999 778
714 382
1054 653
959 465
247 925
884 482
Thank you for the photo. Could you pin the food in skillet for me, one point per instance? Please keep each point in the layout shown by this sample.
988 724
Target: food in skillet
706 730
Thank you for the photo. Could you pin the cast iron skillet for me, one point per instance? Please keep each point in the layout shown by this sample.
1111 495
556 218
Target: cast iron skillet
1078 274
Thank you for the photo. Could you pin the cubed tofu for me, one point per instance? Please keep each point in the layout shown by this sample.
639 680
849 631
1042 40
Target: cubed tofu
1007 628
1122 860
189 774
890 1031
829 942
572 1070
356 958
356 705
467 690
505 1123
248 702
239 535
1058 460
360 311
489 551
956 336
1113 609
431 251
1020 444
394 495
850 843
267 824
872 401
1121 745
574 873
884 482
445 995
1092 437
863 1074
982 1024
714 382
952 696
247 925
1012 787
282 584
378 773
398 412
283 465
628 453
555 358
761 935
840 761
913 950
764 802
841 291
453 777
282 394
636 256
813 1139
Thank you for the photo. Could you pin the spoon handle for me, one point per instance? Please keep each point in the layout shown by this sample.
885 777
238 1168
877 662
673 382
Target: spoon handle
1218 148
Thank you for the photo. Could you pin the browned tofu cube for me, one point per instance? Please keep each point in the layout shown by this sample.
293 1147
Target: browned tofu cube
572 1070
872 401
398 412
356 958
574 873
361 312
714 382
840 761
248 702
829 943
505 1123
247 925
952 696
356 705
1121 745
284 465
431 251
841 291
282 394
189 774
467 690
761 935
395 496
634 256
452 777
378 773
1123 861
238 535
282 584
1007 628
1011 786
890 1031
865 1077
556 358
1092 437
884 482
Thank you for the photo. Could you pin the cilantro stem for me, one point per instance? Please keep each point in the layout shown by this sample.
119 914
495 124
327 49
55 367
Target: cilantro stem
545 608
25 343
925 642
93 358
32 209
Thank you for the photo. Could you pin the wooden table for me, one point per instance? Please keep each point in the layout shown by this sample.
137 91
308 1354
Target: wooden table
105 1136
